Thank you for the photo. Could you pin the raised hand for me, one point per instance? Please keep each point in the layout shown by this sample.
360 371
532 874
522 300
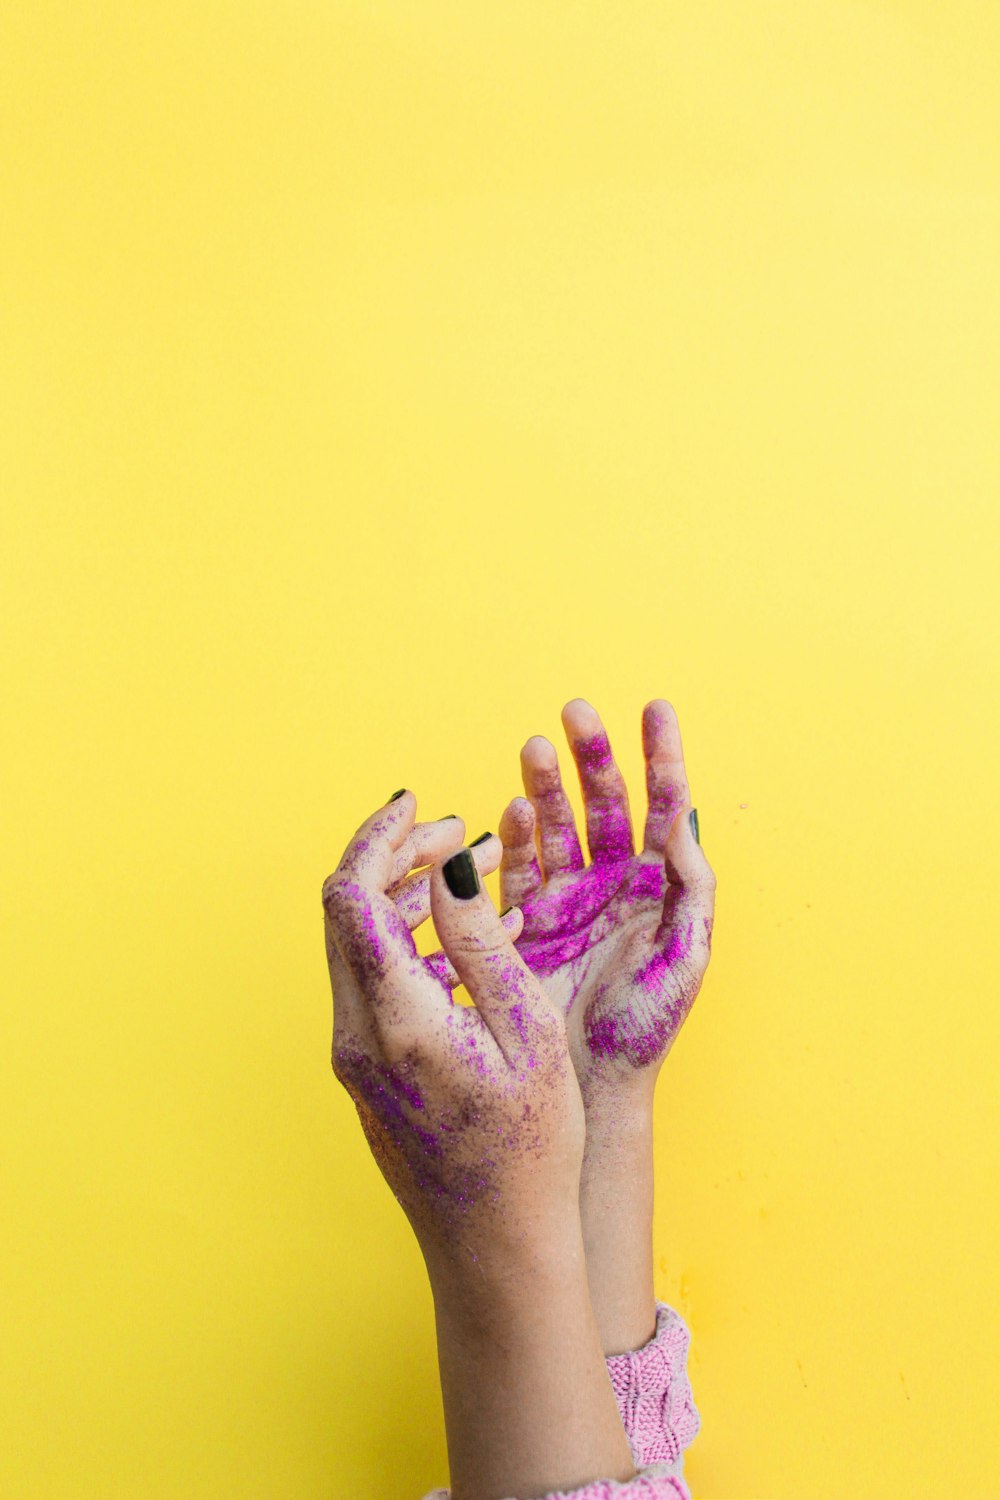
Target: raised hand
475 1118
621 943
472 1113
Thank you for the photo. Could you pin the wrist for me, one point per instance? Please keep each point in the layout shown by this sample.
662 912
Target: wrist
528 1403
616 1216
493 1277
618 1106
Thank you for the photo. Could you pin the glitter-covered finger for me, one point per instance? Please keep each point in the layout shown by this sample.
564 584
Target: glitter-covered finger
476 940
413 895
666 779
683 938
370 856
520 873
425 844
605 798
558 841
441 966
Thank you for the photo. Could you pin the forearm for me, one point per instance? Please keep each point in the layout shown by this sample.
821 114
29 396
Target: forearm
529 1407
616 1213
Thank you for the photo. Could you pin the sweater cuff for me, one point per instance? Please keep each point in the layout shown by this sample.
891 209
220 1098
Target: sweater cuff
643 1487
658 1413
654 1394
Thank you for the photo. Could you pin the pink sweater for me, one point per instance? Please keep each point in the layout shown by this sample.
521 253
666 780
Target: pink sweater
657 1408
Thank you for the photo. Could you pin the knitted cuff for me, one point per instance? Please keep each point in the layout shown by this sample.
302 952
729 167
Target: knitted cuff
654 1394
642 1487
658 1413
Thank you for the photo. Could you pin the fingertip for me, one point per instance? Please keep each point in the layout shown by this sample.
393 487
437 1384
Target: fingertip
517 825
398 816
661 734
512 922
461 875
539 752
487 851
658 709
580 718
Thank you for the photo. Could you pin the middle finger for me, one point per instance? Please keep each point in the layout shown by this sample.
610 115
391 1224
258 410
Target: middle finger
609 823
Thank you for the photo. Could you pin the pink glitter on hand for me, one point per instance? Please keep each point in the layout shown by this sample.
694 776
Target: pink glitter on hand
621 943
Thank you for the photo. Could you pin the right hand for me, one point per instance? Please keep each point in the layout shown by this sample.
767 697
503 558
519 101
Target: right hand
622 943
473 1114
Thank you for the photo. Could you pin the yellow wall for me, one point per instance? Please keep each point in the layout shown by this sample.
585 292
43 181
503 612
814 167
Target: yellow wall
376 377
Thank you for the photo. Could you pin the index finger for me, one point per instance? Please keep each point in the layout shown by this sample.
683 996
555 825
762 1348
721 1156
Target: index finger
362 920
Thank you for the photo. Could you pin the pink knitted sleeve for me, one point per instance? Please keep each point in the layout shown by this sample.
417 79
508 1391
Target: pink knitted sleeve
642 1487
657 1409
654 1394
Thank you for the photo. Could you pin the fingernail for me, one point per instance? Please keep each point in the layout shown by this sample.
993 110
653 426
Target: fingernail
480 840
461 875
506 911
396 795
447 816
693 820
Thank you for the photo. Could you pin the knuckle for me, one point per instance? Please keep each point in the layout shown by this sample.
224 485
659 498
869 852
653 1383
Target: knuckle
402 1045
482 943
346 1058
338 900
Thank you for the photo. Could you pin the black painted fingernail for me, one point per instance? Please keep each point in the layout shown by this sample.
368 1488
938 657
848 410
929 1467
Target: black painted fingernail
461 875
396 795
480 840
693 820
506 910
447 816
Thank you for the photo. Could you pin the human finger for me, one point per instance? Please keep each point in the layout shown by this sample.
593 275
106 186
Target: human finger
426 844
558 841
413 895
441 965
520 874
511 1001
666 778
368 931
348 1002
370 855
684 936
605 799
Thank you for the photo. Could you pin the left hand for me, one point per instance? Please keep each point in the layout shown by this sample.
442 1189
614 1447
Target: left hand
472 1113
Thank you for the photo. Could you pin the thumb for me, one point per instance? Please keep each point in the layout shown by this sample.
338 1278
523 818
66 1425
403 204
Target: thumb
690 888
511 1001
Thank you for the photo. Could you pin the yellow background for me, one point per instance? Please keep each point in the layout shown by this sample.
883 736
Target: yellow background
376 377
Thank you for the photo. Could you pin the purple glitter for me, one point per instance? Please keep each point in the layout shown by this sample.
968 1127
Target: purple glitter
609 832
516 1013
677 949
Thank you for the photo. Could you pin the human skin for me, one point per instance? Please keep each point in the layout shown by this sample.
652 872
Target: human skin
621 945
475 1118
